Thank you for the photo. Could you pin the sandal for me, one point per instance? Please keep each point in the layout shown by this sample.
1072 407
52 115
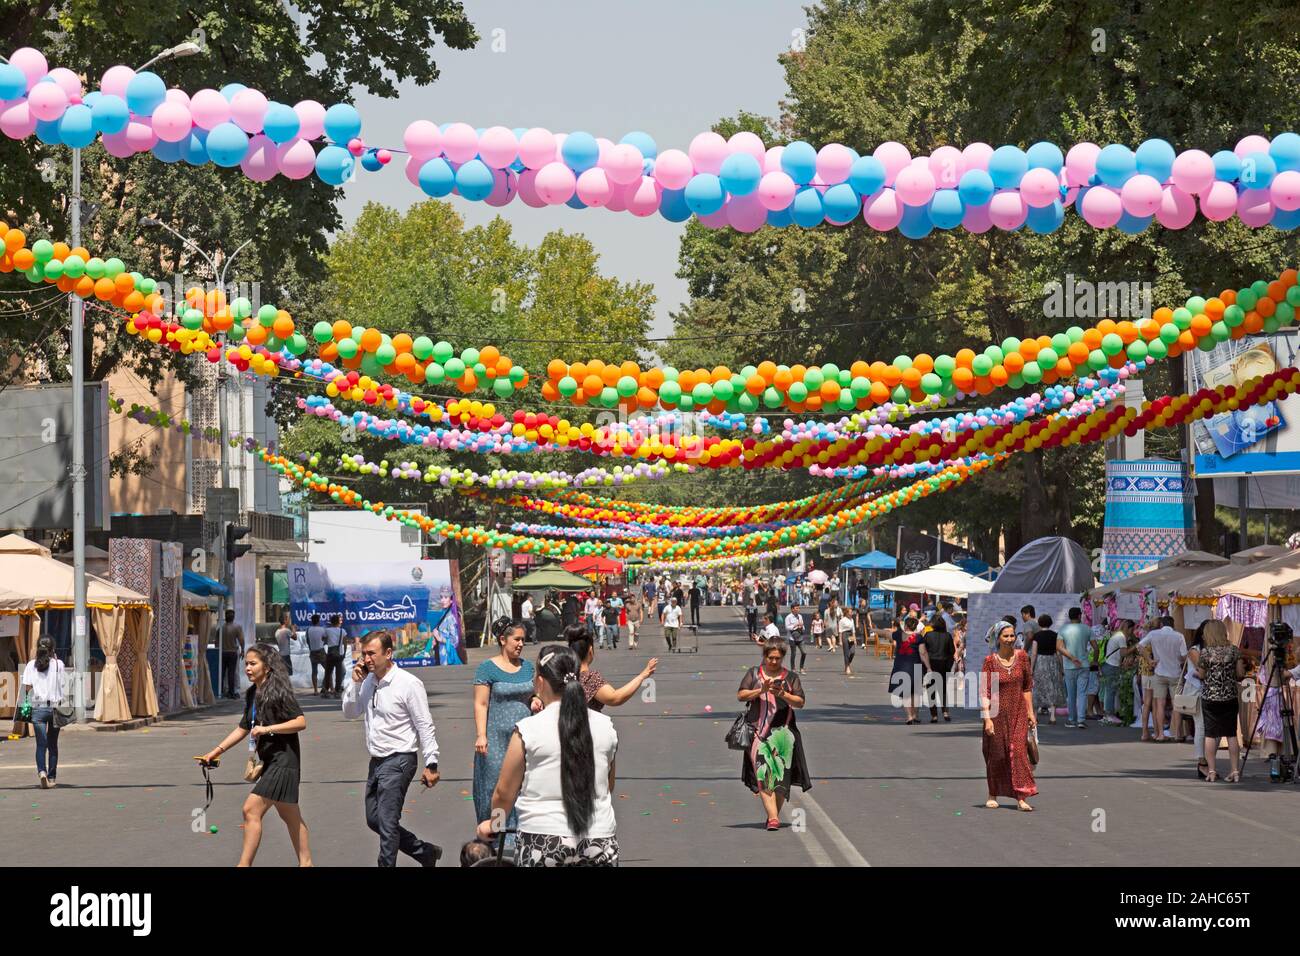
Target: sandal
991 804
1024 807
1211 776
1234 777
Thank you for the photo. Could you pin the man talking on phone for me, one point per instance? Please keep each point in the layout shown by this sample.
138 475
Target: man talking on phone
398 729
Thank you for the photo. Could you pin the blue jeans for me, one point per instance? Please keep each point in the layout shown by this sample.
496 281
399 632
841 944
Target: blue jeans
47 740
1109 688
1076 688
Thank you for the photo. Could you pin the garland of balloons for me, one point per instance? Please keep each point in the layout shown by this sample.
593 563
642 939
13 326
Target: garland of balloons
736 182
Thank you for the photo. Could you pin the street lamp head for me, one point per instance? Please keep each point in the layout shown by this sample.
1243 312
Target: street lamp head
188 48
149 222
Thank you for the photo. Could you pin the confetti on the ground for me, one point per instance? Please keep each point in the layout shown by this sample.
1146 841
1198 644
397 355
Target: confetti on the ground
35 806
704 793
956 813
213 828
469 799
677 803
352 793
677 819
622 796
666 786
119 806
645 813
463 792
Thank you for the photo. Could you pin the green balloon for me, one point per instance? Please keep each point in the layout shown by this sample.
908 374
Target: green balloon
799 392
900 395
357 332
846 401
435 374
1292 296
241 308
1207 344
1112 344
1233 316
670 393
1018 380
860 387
385 354
1009 345
813 378
1047 358
95 268
845 378
568 386
74 267
1137 350
442 352
54 269
995 354
369 365
670 374
1157 349
148 286
771 397
686 403
1196 304
1169 333
627 386
1247 299
748 372
944 366
266 315
192 319
1097 360
114 267
454 367
503 388
1032 372
949 389
517 373
1260 288
1220 332
1074 333
422 347
1182 319
1061 342
902 363
236 333
348 348
749 403
43 250
322 332
297 344
1285 313
480 370
723 390
702 393
982 365
1271 325
931 383
469 357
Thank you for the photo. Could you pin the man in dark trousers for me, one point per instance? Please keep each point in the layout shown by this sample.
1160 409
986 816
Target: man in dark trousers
571 610
232 650
696 595
550 621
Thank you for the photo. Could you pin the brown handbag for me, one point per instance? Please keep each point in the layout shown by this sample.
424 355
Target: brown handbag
1031 745
253 768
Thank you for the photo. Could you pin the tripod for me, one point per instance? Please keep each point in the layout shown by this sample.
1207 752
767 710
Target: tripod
1277 679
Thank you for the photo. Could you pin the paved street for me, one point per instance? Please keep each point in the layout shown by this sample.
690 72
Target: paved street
884 794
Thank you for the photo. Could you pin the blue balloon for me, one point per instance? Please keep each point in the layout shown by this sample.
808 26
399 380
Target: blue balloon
946 209
281 123
77 126
342 123
647 167
1133 224
518 165
333 163
474 180
867 175
91 98
145 91
842 204
370 161
799 162
1045 155
573 202
1045 219
642 141
227 144
13 82
975 187
1155 158
436 178
580 151
169 152
195 151
672 204
1285 219
1285 150
47 131
915 223
781 218
1116 164
1007 166
111 114
230 89
807 208
704 193
1227 166
1257 170
740 174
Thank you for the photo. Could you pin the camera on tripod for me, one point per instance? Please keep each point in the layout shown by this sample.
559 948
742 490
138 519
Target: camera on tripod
1282 765
1280 636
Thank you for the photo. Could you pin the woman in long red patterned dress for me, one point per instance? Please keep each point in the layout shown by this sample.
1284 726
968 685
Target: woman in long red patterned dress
1006 759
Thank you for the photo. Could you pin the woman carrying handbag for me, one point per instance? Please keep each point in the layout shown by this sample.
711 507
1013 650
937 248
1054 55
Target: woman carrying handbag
44 688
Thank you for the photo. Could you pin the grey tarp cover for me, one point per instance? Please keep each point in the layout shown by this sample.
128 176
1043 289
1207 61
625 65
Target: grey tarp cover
1046 566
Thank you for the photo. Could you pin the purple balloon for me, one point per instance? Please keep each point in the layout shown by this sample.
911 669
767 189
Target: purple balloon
528 189
976 219
505 186
745 213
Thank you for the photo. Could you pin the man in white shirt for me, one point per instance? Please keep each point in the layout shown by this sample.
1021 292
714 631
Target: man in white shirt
769 627
526 615
315 648
1169 648
592 610
398 728
332 686
671 621
950 622
1028 627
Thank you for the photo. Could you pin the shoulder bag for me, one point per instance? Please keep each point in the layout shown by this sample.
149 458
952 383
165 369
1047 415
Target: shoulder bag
741 734
1186 702
63 711
253 767
1031 745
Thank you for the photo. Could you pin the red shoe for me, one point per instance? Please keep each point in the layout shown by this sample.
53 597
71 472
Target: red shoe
773 824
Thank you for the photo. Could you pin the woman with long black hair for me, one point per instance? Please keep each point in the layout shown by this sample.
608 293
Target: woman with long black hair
274 719
600 693
559 773
43 685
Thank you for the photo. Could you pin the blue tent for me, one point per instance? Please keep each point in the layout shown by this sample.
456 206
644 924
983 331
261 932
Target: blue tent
872 561
202 585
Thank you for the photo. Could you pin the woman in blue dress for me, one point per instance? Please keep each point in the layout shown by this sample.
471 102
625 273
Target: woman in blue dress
503 696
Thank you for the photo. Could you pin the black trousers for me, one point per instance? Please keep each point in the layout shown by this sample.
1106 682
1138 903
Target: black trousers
317 660
796 647
936 687
229 673
751 617
386 785
695 614
333 672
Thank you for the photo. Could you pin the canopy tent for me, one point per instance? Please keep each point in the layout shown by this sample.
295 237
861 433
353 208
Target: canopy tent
201 584
552 577
28 569
593 564
96 560
1258 553
1050 565
1162 574
871 561
1257 580
945 579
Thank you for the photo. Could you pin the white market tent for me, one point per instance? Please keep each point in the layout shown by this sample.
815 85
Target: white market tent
943 579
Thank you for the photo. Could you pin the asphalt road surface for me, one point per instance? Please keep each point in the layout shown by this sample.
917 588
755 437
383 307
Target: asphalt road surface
884 794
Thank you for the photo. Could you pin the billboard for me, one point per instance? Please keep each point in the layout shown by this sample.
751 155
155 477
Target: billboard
918 551
419 601
1247 441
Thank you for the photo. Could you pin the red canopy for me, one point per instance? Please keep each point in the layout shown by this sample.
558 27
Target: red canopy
593 564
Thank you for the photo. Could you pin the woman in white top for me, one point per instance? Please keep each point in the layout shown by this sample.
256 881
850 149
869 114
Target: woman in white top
558 774
43 684
833 614
848 641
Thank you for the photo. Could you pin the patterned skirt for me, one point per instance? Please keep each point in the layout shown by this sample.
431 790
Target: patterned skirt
1049 687
544 849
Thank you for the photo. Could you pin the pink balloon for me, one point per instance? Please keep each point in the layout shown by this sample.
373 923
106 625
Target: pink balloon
422 140
946 167
1040 187
261 162
172 122
505 186
644 200
528 189
559 146
707 151
834 161
882 210
1193 172
1177 208
1285 190
1141 195
1102 207
47 101
311 119
745 213
115 144
619 195
747 142
555 183
914 184
1255 208
603 146
115 79
894 157
673 169
593 187
1251 144
460 142
975 156
776 190
413 164
17 121
1081 163
498 147
68 81
976 219
175 95
296 159
31 63
139 134
624 164
248 110
715 220
537 148
1219 202
772 159
1007 209
209 109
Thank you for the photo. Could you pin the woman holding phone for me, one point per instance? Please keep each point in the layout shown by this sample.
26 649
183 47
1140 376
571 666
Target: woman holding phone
773 694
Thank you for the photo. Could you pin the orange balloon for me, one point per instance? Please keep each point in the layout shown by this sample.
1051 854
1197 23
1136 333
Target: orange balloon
282 327
610 374
1092 338
830 390
782 379
405 361
912 378
1028 351
341 329
550 392
503 366
965 358
755 385
646 397
860 369
1187 340
578 370
963 378
371 339
630 369
23 259
1214 308
686 380
879 393
1201 325
488 354
1162 315
1126 331
892 376
595 366
653 378
1254 322
1014 362
78 251
798 372
15 239
61 252
1064 368
998 376
402 343
124 283
592 385
1148 329
813 403
1266 306
1106 326
1276 291
104 289
923 363
1077 353
556 369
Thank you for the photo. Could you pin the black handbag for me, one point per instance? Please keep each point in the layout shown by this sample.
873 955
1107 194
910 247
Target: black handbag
741 734
62 713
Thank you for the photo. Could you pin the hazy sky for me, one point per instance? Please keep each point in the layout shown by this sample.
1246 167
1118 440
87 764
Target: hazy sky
671 68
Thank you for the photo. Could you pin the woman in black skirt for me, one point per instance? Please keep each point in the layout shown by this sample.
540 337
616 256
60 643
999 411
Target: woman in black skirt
273 717
773 693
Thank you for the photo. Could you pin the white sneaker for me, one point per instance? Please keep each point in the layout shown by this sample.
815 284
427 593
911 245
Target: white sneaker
1070 723
45 781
